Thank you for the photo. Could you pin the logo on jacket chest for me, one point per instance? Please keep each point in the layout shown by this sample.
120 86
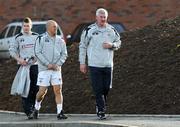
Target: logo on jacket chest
46 40
27 46
95 33
22 40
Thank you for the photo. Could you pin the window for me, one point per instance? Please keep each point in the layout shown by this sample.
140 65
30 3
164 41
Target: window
18 30
3 33
11 31
40 28
78 31
118 27
58 31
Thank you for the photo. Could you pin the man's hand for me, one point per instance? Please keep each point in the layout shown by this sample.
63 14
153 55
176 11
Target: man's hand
83 68
22 61
107 45
50 66
53 67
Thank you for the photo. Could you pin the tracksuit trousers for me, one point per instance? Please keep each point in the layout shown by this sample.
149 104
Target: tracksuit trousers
29 102
101 79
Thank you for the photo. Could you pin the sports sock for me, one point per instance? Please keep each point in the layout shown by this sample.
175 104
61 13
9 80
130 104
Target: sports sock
59 108
37 105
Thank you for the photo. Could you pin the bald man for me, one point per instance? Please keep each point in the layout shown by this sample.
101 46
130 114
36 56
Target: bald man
51 53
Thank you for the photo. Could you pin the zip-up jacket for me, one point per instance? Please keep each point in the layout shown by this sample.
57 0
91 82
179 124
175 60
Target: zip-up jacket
50 50
23 45
91 43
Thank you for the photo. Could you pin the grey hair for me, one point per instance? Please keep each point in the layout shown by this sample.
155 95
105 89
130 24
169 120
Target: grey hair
101 10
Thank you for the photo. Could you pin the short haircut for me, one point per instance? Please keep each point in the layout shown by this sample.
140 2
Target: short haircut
100 11
49 22
27 20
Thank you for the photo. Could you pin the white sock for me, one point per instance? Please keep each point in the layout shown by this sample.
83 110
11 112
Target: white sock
37 105
59 108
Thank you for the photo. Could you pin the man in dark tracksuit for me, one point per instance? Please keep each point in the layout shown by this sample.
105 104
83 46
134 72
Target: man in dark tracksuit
99 41
22 50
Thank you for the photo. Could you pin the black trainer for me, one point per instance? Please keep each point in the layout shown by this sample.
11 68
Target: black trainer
61 116
30 116
101 115
35 114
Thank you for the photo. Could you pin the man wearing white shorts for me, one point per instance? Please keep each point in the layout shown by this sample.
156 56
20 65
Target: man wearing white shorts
51 53
46 78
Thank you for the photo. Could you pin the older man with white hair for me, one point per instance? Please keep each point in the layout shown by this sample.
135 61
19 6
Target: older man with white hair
99 41
51 53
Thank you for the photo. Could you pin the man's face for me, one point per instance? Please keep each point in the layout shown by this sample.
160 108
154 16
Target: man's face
53 28
27 27
101 19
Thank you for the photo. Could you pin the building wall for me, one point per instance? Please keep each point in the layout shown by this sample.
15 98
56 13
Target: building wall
69 13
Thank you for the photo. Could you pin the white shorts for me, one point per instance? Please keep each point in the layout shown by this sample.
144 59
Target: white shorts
49 77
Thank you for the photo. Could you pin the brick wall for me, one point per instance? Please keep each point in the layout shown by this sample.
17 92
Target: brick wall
69 13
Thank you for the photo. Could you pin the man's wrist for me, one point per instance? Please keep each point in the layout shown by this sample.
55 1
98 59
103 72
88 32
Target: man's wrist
113 45
18 59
